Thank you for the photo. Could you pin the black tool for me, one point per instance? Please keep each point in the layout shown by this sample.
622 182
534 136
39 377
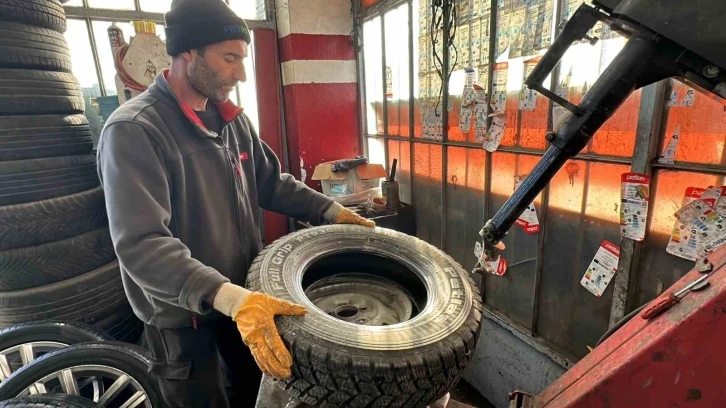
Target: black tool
392 176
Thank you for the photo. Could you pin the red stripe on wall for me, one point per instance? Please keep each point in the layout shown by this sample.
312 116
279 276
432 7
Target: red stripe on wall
316 47
267 78
322 124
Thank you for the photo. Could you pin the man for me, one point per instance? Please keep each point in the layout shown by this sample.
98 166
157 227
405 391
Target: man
185 176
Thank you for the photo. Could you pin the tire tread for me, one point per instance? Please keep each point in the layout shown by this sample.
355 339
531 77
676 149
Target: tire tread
55 261
43 13
29 46
362 381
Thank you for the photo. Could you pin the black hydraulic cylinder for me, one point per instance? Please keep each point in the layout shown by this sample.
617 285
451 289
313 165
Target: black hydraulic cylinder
613 87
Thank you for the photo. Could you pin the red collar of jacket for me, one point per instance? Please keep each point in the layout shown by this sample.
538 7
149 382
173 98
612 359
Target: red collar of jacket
228 110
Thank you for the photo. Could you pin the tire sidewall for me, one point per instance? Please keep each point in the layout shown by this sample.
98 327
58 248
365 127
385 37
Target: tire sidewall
60 332
272 273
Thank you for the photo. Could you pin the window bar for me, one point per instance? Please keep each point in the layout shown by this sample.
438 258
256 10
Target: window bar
539 268
137 4
647 137
490 68
359 47
411 98
445 122
94 51
383 84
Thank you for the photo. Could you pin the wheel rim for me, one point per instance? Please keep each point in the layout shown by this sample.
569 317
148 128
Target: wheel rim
115 387
23 354
362 299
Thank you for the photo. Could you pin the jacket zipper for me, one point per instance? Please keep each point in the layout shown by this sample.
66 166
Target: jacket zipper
235 173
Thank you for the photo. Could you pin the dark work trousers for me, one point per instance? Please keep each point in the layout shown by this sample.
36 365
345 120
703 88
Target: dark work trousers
189 370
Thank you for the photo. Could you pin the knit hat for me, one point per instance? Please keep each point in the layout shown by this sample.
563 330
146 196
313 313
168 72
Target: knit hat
192 24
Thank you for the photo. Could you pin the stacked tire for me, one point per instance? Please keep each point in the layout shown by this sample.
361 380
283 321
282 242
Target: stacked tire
56 257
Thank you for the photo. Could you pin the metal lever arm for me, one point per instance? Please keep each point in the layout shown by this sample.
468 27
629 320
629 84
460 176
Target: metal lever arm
576 29
613 87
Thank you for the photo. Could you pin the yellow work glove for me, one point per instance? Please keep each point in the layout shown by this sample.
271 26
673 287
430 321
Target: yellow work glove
254 313
346 216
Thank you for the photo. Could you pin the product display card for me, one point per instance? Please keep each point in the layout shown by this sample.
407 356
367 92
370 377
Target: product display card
634 195
528 220
499 87
602 268
528 97
684 238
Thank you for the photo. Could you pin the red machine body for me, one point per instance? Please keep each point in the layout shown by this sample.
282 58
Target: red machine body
677 359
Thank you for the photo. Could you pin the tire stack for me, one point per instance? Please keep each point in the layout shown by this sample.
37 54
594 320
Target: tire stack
56 257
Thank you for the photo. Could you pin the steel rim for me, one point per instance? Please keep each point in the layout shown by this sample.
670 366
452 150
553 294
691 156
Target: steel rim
362 299
28 352
119 389
23 354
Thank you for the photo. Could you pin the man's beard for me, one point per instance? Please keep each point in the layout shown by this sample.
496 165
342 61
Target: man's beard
205 81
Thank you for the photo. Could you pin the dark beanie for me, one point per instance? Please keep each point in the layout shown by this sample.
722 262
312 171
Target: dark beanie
192 24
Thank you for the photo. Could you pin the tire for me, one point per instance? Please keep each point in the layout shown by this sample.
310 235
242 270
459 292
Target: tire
63 333
96 298
43 13
35 92
50 401
124 325
44 264
51 220
38 136
24 181
128 359
33 47
342 364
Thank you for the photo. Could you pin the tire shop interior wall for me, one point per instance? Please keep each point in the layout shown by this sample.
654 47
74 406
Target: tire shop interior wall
540 318
320 85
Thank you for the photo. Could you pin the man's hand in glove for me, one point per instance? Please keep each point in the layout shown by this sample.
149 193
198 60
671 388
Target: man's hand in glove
254 313
337 214
347 216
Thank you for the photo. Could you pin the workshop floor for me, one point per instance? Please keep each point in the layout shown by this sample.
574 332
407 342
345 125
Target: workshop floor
464 393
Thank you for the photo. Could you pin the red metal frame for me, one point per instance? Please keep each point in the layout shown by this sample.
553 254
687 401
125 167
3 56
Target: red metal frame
267 77
677 359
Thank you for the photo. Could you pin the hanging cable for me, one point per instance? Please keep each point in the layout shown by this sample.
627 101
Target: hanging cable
123 74
437 27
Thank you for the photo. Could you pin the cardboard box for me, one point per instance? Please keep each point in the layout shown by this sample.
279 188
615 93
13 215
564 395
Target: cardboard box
363 177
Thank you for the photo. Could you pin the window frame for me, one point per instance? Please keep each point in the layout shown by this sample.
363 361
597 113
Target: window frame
88 15
649 140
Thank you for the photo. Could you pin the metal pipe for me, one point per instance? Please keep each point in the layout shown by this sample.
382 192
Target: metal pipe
445 122
412 98
384 103
539 268
96 60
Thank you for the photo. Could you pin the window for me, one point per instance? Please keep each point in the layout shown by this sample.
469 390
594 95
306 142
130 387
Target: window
105 56
84 70
156 6
248 90
82 28
112 4
455 185
249 9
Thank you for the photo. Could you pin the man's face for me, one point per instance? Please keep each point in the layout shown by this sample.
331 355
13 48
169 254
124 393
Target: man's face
216 71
